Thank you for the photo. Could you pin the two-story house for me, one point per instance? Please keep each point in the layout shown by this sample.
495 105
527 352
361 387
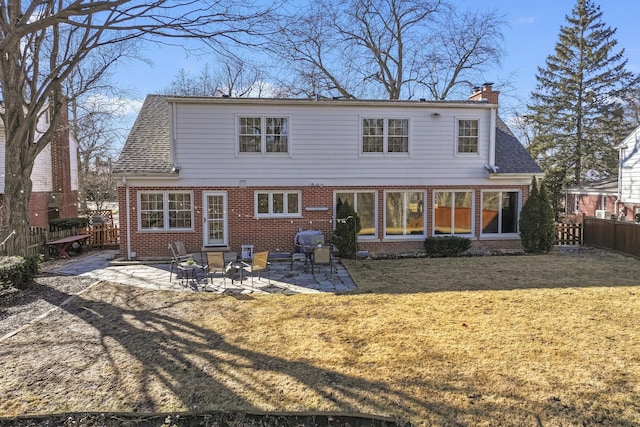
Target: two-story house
226 172
612 197
54 175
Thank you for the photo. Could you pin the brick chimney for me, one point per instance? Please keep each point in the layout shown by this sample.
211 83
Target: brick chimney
485 93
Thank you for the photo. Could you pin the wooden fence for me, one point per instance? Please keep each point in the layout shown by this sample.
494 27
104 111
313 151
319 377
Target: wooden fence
102 236
621 236
568 234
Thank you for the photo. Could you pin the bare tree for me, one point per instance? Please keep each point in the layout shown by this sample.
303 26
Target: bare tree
386 48
232 76
43 42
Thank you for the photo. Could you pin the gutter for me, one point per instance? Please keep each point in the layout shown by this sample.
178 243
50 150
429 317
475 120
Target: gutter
128 219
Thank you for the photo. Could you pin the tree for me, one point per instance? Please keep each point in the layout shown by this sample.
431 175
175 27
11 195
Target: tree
577 110
44 42
537 224
233 77
347 229
386 49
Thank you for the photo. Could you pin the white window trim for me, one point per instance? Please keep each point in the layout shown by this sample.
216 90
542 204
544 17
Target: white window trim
396 237
498 236
473 212
277 215
375 210
165 210
263 137
385 136
457 134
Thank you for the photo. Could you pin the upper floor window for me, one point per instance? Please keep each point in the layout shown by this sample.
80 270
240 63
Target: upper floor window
165 210
277 203
467 136
263 135
500 212
385 135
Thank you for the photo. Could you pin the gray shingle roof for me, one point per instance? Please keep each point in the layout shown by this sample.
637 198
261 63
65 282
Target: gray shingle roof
604 186
511 156
146 151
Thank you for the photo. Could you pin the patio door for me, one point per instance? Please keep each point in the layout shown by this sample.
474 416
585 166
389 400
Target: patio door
215 218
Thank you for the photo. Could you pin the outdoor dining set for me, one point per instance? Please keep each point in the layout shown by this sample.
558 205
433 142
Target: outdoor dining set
202 268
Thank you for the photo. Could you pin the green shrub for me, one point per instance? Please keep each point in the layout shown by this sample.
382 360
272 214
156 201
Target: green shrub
68 223
537 221
18 272
446 246
347 227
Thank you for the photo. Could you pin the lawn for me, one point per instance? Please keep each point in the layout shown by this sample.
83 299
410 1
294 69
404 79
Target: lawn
514 340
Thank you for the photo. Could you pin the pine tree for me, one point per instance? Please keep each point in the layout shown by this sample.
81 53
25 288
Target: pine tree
578 110
537 225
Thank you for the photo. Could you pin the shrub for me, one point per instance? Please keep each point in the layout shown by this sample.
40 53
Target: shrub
68 223
446 246
18 272
537 222
347 227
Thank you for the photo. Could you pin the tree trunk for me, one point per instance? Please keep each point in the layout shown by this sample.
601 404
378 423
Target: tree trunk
17 186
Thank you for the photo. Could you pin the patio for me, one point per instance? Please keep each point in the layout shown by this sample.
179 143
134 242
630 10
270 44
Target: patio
102 266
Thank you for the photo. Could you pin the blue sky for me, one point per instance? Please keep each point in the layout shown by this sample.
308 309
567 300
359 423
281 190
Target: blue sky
530 37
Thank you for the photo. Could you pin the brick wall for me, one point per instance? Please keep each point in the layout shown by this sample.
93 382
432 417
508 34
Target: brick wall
278 233
39 210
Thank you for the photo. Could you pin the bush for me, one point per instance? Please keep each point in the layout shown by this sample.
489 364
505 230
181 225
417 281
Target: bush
68 223
446 246
347 227
18 272
537 221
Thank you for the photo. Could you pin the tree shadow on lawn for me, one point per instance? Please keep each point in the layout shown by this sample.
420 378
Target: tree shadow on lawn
157 362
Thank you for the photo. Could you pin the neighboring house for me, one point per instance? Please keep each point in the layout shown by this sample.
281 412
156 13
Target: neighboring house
593 198
220 173
629 176
54 176
617 197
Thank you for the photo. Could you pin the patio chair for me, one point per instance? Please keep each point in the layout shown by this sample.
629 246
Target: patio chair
322 256
175 263
259 263
181 250
216 264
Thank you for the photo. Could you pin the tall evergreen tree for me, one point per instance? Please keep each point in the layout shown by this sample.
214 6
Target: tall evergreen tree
578 109
537 225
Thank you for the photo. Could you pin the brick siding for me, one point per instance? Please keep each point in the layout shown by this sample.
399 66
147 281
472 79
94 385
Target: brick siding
278 233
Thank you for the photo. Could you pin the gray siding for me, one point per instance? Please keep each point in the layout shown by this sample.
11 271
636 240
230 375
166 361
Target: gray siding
324 147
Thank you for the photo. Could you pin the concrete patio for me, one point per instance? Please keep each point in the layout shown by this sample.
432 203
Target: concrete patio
282 279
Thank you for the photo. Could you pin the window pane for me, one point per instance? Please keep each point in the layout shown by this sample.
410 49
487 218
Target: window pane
151 210
398 136
250 134
462 213
394 213
467 136
415 213
276 135
372 135
366 210
510 212
179 210
346 197
293 206
490 206
263 203
442 223
278 203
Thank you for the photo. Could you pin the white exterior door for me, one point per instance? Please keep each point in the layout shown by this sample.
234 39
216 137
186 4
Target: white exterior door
215 219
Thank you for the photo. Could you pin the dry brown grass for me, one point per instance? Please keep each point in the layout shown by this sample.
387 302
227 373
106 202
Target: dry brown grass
531 340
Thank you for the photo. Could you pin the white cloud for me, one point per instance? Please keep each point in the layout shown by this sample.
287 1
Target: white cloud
115 105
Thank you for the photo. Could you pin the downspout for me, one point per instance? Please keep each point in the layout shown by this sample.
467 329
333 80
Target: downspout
492 138
618 199
128 220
